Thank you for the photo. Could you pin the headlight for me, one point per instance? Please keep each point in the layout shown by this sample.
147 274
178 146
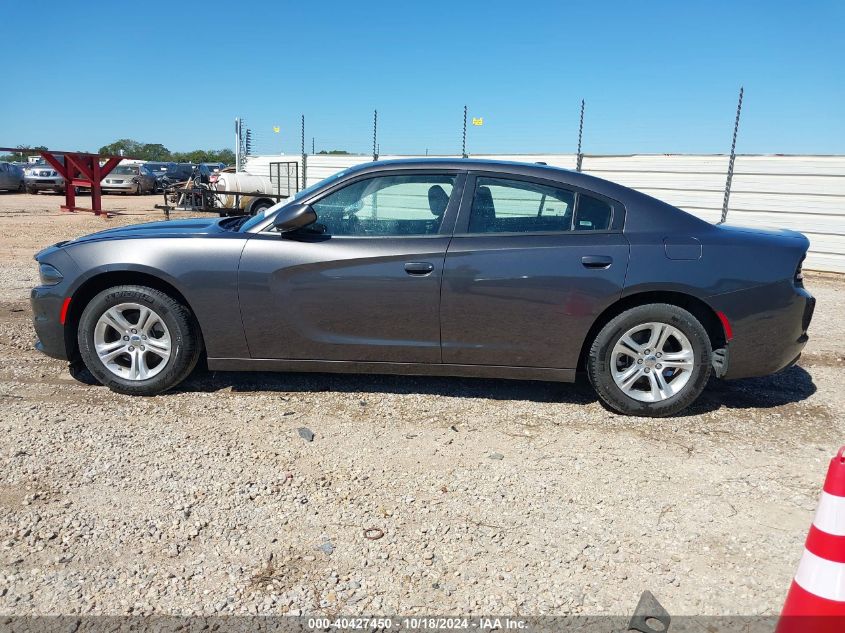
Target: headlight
50 275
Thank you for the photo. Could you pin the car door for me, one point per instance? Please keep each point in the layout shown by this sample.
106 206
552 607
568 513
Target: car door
5 176
363 284
530 267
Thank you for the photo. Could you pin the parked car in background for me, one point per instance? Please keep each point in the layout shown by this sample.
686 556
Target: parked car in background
180 172
159 171
42 177
169 174
11 177
206 173
129 178
436 267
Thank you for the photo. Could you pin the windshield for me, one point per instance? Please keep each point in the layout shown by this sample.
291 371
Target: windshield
125 170
258 218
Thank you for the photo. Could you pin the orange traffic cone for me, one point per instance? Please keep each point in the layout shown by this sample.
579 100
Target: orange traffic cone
816 600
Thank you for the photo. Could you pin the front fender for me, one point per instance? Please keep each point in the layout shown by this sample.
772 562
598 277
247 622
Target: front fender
202 269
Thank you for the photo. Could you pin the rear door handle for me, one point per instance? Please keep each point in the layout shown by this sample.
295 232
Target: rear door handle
419 268
596 261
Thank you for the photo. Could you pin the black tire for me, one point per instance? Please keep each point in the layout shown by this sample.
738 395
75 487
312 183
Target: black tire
600 361
257 206
184 334
32 191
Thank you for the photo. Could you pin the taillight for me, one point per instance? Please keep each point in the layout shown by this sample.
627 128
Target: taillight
799 274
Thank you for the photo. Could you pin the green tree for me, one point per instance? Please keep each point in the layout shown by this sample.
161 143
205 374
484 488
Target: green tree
154 152
226 156
124 147
26 150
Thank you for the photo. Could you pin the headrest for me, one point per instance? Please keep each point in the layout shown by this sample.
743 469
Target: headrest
438 200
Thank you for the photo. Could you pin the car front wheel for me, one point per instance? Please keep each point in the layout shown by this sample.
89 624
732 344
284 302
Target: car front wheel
138 340
652 360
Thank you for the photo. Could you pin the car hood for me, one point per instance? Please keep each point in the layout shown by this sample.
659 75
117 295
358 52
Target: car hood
174 228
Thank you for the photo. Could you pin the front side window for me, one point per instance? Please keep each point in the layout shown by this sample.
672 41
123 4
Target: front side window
394 205
517 206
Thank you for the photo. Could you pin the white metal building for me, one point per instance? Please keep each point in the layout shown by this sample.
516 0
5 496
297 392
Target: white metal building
803 193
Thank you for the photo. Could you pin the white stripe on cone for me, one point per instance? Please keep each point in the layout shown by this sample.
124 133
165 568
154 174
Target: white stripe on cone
821 577
830 515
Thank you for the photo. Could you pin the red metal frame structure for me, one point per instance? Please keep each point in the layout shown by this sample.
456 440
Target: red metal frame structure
80 169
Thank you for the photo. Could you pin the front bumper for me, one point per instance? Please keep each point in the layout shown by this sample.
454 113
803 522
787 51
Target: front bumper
46 310
53 338
769 325
123 187
44 184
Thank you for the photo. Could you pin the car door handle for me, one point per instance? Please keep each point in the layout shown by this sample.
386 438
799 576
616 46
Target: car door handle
419 268
596 261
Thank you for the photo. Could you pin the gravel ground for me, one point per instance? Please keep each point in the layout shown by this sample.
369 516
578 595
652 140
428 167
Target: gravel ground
493 496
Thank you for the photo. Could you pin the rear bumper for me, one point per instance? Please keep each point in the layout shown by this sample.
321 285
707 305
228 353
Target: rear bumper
769 327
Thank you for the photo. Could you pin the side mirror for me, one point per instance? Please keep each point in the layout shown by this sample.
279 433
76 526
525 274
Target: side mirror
293 217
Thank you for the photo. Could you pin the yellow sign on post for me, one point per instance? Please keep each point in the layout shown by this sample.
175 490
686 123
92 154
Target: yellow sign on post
478 121
276 129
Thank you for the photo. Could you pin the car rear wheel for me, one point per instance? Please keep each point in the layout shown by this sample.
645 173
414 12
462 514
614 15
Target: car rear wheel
652 360
138 340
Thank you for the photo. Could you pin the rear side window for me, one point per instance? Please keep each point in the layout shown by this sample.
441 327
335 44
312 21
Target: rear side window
516 206
592 214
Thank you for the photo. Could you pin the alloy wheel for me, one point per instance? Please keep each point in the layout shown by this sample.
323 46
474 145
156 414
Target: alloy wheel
132 341
652 362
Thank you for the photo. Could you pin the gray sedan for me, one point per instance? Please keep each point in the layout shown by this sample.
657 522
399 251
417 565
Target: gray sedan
129 179
439 267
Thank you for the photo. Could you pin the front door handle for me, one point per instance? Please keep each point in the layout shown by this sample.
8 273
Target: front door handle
596 261
419 268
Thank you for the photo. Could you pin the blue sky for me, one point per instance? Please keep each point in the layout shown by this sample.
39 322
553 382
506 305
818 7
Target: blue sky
657 76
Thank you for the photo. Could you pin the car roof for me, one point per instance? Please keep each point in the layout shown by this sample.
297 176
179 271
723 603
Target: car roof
535 170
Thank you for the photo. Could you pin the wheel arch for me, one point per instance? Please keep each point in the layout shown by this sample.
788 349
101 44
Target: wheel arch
92 286
699 308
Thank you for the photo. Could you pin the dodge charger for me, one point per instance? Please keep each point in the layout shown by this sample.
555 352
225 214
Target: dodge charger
436 267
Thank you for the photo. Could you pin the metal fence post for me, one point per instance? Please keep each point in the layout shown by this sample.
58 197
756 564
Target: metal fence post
237 144
579 157
375 135
464 144
304 155
731 160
